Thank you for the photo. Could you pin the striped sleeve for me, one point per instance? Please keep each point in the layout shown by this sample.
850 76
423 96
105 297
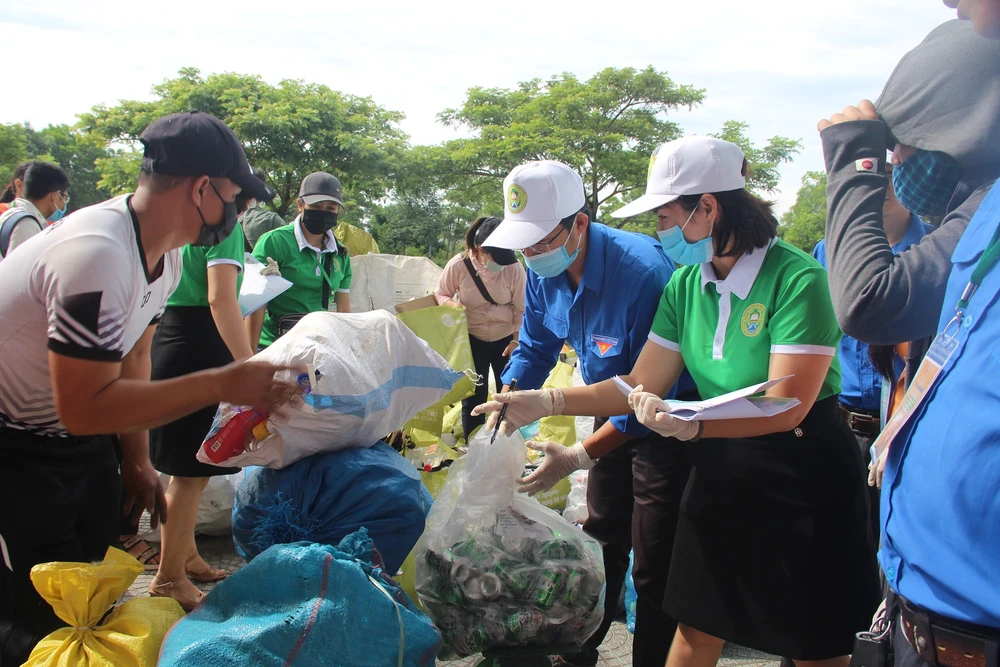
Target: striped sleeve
87 293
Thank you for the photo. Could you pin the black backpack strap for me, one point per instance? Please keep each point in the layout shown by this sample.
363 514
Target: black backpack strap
479 281
7 229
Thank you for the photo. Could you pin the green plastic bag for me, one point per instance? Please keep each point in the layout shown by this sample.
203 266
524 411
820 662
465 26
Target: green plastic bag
446 330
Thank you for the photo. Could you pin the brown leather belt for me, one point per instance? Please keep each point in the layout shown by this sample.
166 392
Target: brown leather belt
862 423
948 643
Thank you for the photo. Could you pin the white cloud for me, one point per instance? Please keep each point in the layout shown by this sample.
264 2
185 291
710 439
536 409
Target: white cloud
779 65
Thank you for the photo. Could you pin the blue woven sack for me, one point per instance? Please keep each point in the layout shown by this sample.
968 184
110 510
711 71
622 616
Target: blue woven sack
324 497
306 605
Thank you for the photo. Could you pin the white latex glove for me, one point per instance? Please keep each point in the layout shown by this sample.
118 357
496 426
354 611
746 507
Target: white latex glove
524 407
652 412
876 469
271 269
559 462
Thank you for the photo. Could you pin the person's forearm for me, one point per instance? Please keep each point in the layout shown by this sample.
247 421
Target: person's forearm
229 321
135 446
343 301
753 428
254 325
878 297
129 405
606 439
602 399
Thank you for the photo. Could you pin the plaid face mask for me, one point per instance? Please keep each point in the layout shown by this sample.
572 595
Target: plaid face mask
926 182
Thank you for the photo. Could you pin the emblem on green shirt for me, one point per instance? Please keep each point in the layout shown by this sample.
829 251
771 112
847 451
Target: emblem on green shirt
517 198
753 319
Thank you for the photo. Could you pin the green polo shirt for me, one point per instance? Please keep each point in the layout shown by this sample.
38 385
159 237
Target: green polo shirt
192 290
303 265
775 300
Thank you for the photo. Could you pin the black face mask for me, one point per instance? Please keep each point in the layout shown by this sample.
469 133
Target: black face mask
211 235
319 222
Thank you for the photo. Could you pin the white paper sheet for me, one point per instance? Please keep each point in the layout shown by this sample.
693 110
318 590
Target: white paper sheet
734 405
257 290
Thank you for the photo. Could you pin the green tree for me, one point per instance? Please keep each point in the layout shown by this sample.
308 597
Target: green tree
763 162
76 151
605 126
288 130
13 150
804 223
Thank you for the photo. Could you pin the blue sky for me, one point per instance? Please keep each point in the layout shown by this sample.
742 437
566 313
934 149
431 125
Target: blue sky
779 65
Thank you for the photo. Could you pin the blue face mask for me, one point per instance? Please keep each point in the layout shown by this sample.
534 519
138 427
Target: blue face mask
926 182
551 264
58 214
680 250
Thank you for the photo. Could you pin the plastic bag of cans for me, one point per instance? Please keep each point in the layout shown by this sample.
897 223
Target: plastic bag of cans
497 569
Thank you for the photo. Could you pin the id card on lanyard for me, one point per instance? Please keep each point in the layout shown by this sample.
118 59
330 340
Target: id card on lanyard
940 352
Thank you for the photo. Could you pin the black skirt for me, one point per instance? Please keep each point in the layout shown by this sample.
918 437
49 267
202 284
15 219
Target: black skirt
186 341
773 548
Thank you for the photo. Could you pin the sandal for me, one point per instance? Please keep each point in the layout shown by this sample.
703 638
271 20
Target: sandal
209 576
146 556
157 591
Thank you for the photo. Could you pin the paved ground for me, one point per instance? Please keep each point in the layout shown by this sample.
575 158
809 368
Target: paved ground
615 651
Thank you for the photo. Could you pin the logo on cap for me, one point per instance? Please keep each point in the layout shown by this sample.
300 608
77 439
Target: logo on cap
517 198
652 162
753 319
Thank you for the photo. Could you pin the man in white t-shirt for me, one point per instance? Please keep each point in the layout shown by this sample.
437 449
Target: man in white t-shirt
77 315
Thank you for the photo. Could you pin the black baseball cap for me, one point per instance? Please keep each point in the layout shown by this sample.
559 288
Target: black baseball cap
501 256
199 144
321 186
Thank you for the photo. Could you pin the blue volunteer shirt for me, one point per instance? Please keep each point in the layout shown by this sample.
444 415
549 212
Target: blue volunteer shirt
861 384
606 319
940 506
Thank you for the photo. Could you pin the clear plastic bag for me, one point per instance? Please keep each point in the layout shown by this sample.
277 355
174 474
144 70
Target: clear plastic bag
497 569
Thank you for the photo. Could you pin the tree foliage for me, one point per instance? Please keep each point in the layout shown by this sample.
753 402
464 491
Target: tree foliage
605 127
804 224
75 151
288 130
414 200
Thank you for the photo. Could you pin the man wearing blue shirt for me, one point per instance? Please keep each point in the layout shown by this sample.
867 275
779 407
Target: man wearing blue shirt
940 506
597 289
861 382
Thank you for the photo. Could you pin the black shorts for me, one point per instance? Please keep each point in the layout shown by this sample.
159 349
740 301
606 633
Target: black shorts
60 500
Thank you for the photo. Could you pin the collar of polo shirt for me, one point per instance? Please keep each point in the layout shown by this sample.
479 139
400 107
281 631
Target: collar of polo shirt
331 240
739 282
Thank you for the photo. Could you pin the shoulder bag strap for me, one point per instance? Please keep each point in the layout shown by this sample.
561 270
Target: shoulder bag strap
479 281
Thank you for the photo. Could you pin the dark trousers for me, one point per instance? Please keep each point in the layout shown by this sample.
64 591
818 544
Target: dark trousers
484 355
865 443
633 500
59 501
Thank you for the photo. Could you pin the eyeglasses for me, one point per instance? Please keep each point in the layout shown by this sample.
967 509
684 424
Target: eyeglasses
545 245
65 196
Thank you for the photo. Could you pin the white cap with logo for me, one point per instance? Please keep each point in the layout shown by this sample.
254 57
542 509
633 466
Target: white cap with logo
689 166
537 195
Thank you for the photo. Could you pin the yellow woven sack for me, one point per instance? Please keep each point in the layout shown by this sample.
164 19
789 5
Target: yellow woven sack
80 594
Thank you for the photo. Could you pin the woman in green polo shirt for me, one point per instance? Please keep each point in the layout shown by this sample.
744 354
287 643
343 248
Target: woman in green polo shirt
308 255
202 327
772 546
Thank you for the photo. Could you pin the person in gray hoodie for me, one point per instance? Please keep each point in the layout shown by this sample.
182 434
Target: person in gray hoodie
940 116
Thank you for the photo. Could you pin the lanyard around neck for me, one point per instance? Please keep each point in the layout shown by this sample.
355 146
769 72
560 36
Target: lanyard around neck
985 264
